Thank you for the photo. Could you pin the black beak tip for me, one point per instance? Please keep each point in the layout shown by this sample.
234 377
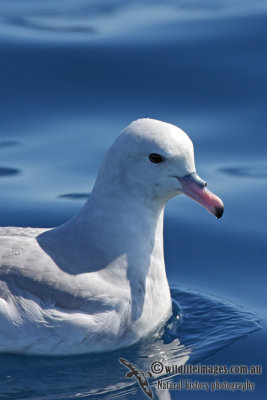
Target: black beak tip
219 212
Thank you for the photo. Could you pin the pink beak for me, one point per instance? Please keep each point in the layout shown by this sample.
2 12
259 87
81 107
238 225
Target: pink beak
194 187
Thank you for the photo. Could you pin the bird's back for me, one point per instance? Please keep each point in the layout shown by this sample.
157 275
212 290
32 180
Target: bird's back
18 231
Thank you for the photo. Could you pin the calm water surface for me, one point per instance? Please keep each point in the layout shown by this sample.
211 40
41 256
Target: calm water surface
72 76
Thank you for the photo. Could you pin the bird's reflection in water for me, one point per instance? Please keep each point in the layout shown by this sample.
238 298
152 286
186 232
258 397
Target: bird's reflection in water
197 330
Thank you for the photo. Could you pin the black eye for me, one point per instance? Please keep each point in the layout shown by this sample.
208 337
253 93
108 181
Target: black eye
156 158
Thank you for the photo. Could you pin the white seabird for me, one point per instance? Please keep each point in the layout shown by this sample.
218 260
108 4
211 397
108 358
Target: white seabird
98 282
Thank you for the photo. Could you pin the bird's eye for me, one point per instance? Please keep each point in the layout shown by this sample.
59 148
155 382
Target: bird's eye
156 158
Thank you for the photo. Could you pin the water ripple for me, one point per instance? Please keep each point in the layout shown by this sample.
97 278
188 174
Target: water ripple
246 171
6 171
9 143
83 17
74 196
200 327
45 25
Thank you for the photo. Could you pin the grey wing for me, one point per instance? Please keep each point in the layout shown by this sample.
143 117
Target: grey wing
26 269
10 231
23 266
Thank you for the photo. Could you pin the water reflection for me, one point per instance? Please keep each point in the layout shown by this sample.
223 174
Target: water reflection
9 143
106 17
199 328
74 196
7 171
46 25
248 171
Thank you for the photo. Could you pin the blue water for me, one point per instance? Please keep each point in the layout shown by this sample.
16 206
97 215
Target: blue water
206 326
72 76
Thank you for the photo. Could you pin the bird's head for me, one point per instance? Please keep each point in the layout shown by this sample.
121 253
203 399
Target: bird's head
154 160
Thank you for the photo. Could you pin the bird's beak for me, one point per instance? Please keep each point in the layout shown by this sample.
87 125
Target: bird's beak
194 187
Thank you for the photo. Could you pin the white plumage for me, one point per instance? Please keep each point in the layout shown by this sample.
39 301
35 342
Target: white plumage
98 282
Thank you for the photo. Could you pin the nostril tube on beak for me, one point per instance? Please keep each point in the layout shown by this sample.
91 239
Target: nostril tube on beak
195 179
199 181
194 187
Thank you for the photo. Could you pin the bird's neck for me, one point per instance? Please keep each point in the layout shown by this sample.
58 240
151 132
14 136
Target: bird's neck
126 222
129 235
122 241
117 227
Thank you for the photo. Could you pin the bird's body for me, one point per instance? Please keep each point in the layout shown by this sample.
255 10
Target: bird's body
97 282
53 302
